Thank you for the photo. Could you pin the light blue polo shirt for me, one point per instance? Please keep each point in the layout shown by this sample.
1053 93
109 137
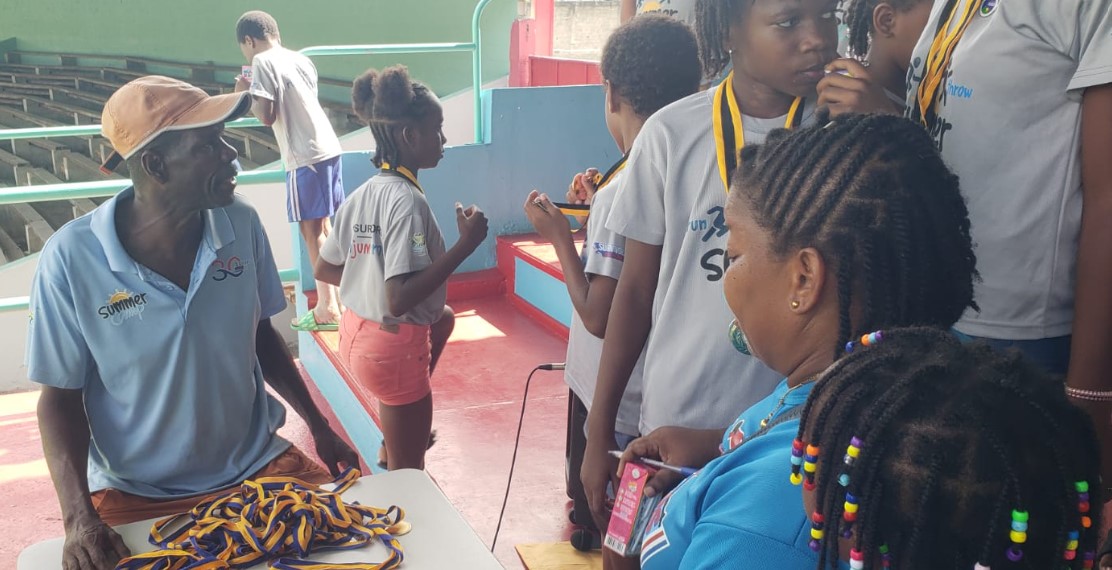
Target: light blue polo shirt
173 389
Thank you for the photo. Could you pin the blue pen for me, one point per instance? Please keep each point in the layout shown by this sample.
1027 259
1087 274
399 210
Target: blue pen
685 471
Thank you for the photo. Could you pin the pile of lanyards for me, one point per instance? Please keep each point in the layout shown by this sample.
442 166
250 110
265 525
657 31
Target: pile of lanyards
276 519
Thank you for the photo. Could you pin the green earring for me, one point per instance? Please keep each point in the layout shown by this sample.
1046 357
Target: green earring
737 338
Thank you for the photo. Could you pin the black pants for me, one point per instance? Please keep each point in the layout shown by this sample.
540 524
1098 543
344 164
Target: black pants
573 461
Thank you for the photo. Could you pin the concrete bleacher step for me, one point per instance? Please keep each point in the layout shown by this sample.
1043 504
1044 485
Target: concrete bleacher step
26 225
59 111
12 167
82 206
37 79
42 153
14 119
90 101
9 249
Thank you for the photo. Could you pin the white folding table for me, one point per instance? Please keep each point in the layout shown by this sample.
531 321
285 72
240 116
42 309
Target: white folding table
440 537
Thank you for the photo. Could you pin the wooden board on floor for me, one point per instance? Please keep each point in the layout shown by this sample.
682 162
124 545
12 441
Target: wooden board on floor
558 555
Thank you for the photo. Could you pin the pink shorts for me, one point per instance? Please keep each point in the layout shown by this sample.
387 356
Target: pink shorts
391 361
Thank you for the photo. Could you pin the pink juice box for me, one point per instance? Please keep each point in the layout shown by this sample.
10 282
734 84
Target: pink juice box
632 511
245 71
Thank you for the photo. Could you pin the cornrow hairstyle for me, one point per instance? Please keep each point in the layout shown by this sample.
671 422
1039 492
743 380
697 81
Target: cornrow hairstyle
256 24
964 457
651 61
712 26
859 21
387 102
872 195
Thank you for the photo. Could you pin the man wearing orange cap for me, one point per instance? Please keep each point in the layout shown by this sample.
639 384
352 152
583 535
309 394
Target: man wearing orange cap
150 332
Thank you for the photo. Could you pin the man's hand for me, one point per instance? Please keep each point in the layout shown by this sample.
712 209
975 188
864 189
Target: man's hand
336 454
92 545
546 218
472 225
849 88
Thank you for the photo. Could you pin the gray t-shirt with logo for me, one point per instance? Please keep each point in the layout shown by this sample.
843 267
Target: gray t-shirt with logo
383 230
1009 125
673 196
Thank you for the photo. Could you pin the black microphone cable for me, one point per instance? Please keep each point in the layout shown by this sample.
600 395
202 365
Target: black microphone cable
517 442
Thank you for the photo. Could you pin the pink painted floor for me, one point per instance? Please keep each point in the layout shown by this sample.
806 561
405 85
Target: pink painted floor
477 388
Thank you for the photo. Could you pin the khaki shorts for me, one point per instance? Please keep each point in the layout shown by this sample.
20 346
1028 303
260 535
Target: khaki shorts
116 507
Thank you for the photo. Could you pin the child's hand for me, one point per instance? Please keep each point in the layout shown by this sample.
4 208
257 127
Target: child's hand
849 88
582 188
472 225
546 218
242 84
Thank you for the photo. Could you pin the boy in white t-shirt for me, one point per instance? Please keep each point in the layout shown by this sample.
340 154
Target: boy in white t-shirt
283 86
646 64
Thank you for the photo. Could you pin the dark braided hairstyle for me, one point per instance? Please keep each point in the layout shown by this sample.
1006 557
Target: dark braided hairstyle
651 61
872 195
859 21
712 28
953 438
387 102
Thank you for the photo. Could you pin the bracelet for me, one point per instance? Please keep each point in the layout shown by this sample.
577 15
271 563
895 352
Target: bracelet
1090 395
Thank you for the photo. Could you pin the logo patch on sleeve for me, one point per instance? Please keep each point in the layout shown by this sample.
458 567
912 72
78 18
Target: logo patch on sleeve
418 244
610 251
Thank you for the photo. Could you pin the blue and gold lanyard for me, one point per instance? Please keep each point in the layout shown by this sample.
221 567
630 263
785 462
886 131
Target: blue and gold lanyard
273 518
404 173
729 135
939 57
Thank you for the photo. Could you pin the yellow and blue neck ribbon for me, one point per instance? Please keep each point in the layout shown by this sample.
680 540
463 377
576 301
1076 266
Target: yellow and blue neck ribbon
601 180
277 519
729 134
404 173
946 38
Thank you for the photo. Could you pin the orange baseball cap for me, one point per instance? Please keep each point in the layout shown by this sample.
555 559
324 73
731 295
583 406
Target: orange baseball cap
143 109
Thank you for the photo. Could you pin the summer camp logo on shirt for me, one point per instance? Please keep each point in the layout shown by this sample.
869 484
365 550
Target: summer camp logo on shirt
122 306
225 268
418 244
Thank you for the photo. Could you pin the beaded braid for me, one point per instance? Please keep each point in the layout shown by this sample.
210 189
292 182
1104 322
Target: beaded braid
923 501
848 189
387 102
859 20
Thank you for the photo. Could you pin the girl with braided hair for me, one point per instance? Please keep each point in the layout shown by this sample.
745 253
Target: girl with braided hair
835 231
389 259
882 34
916 451
668 303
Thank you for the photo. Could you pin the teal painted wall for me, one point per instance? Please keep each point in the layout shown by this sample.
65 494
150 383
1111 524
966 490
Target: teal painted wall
204 30
538 137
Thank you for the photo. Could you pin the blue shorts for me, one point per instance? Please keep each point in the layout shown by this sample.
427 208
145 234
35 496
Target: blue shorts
314 192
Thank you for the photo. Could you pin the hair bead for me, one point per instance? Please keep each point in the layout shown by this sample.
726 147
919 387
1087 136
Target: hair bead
818 523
